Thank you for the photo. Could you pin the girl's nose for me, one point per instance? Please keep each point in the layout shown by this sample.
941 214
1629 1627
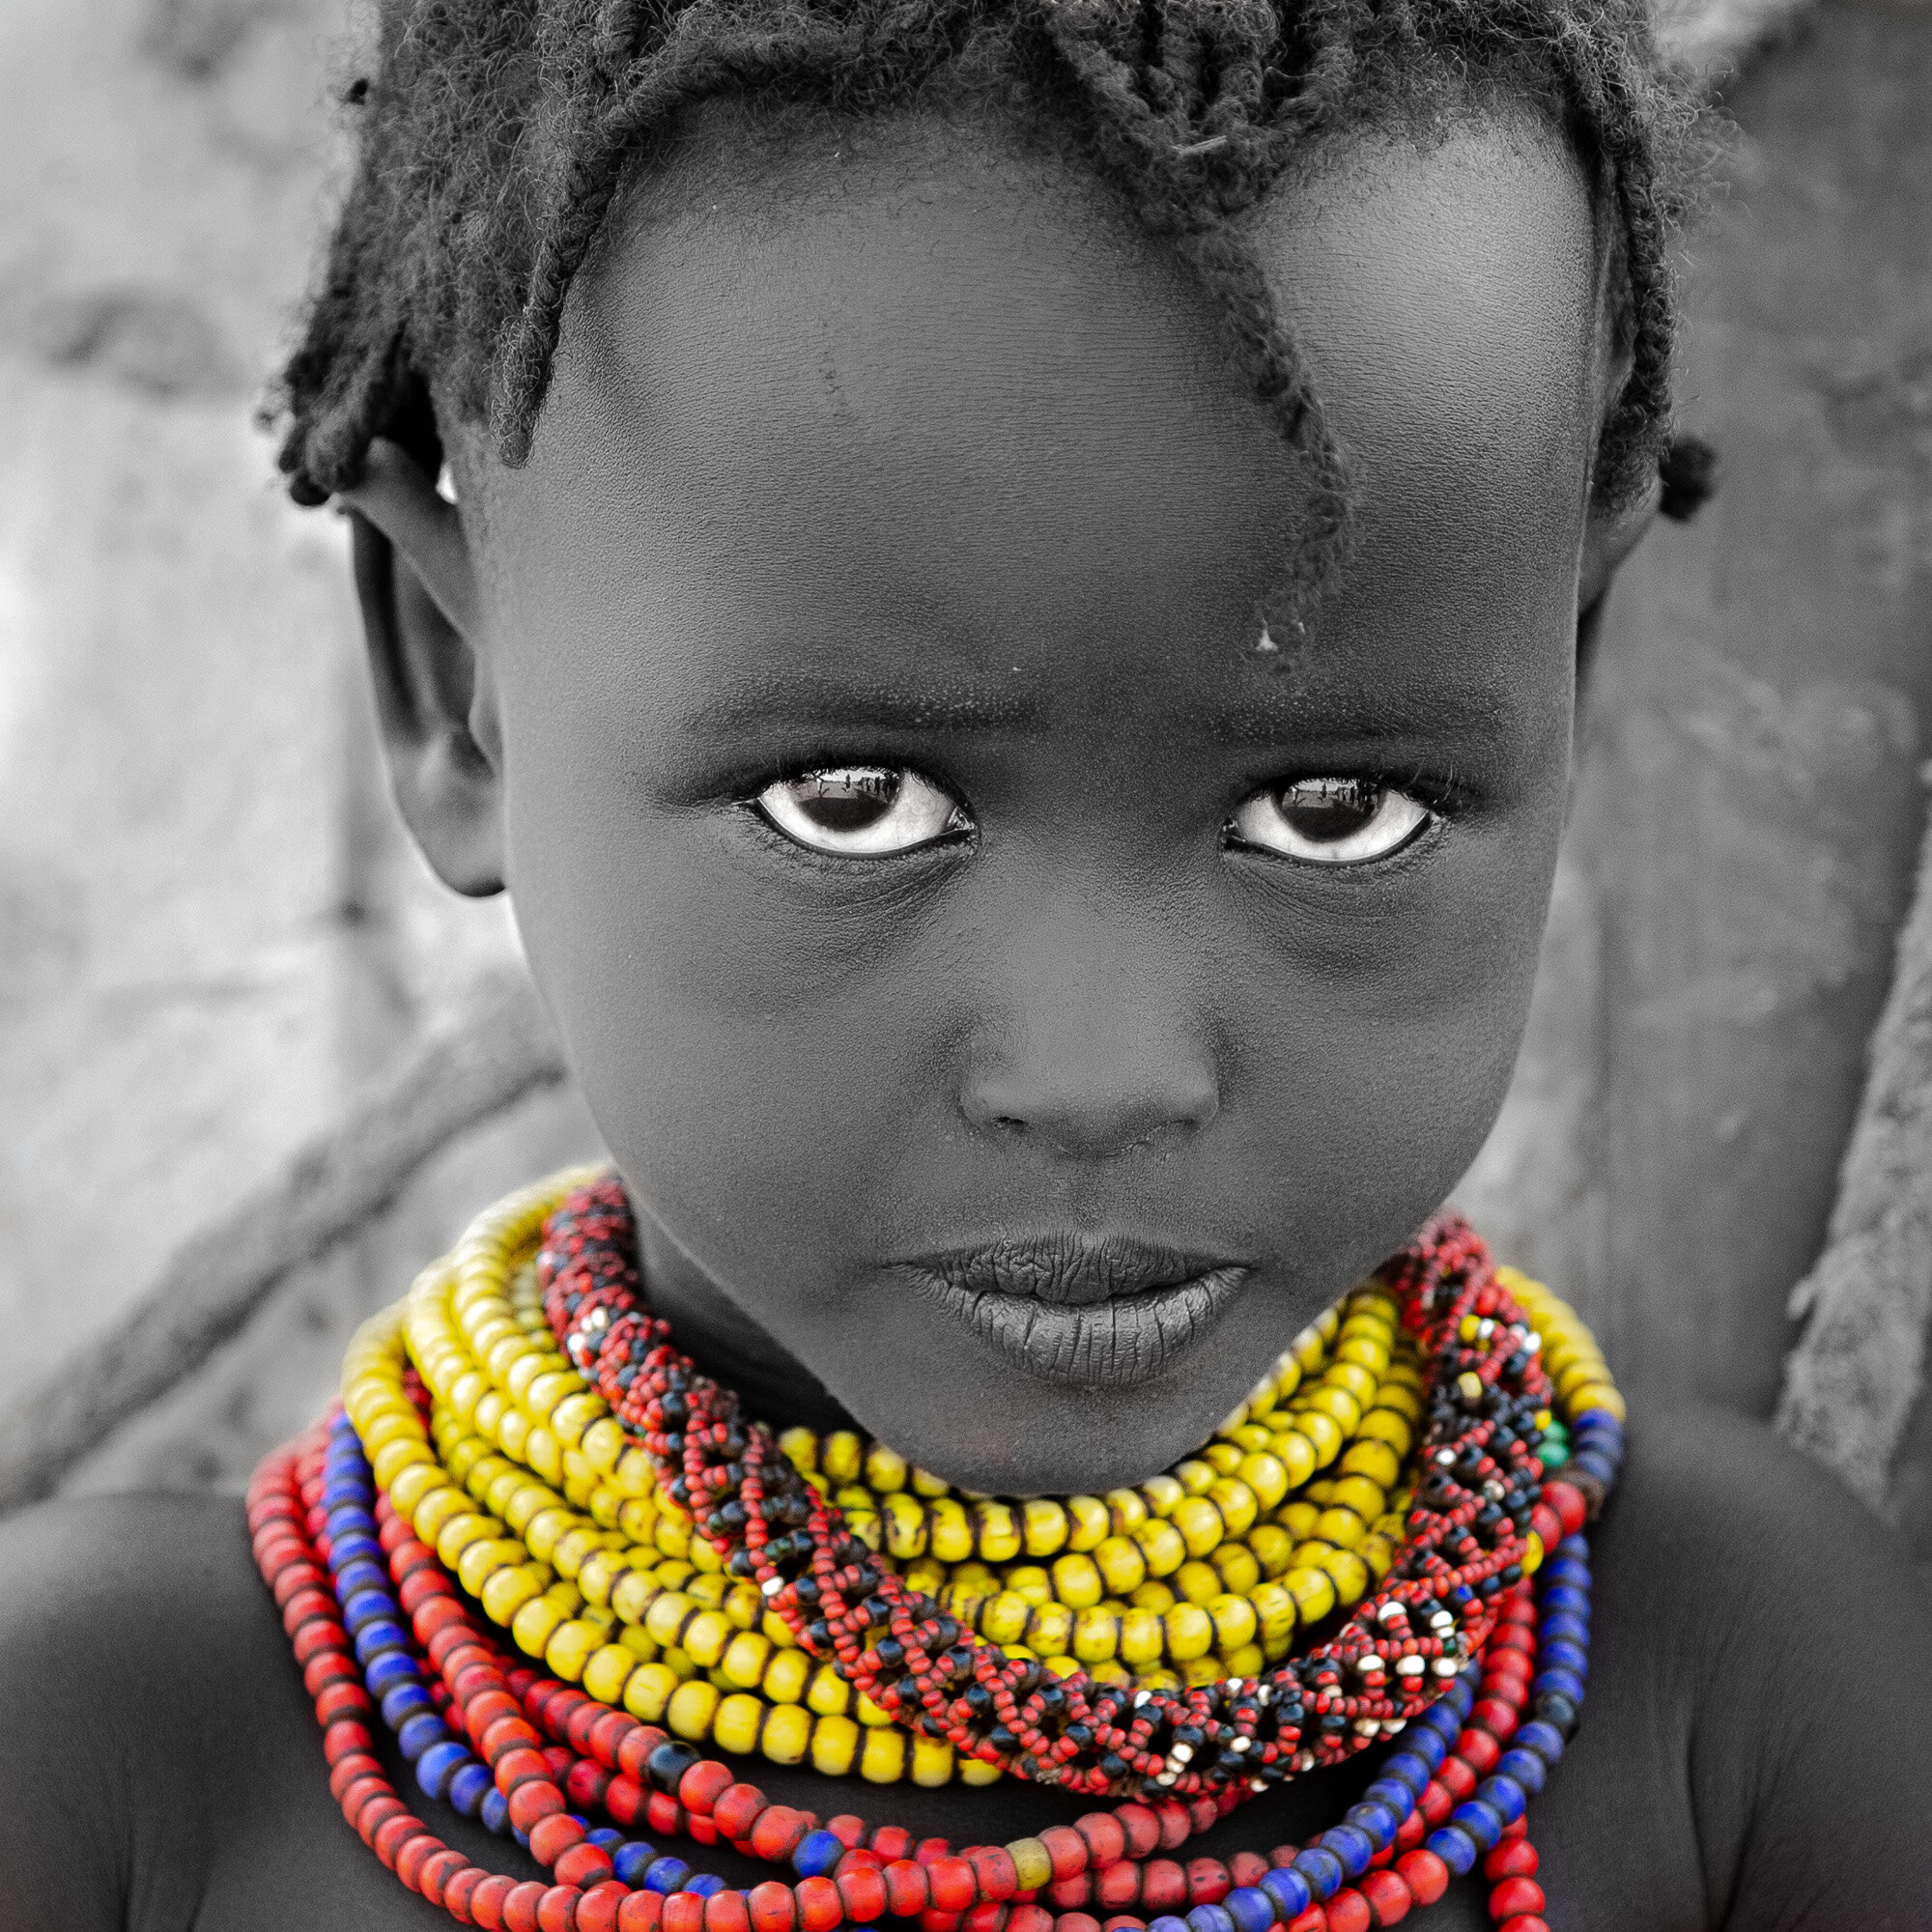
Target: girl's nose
1092 1063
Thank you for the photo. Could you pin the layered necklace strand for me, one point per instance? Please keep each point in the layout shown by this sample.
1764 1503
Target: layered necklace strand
522 1445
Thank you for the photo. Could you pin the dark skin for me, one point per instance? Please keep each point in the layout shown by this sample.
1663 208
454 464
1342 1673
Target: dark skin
950 449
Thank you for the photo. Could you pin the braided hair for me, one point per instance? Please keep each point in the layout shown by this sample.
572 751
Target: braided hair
495 134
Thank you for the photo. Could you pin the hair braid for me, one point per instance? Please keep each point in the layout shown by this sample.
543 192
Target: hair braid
496 136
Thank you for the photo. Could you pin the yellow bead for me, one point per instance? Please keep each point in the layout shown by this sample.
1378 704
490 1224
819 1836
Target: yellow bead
1376 1461
949 1530
483 1559
1032 1863
633 1595
787 1676
1004 1619
881 1755
508 1590
1089 1523
735 1727
1599 1394
1350 1574
1161 1545
1049 1628
569 1648
996 1534
1323 1435
1199 1525
1190 1632
1385 1426
1533 1553
1341 1527
1096 1636
787 1733
973 1770
931 1762
1197 1582
884 1470
532 1625
828 1694
1299 1518
1077 1581
835 1746
1237 1567
691 1708
705 1637
1234 1623
668 1617
841 1456
1143 1636
1267 1475
1314 1594
745 1660
1122 1565
1236 1503
905 1525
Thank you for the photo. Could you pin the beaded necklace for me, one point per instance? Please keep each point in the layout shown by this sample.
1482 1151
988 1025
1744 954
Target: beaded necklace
524 1446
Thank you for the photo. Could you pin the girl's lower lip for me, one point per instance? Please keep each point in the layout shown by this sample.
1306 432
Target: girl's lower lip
1108 1343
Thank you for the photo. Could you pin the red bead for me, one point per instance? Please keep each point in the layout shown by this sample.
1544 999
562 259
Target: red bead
892 1842
486 1902
950 1885
556 1909
1118 1886
703 1785
1070 1894
582 1865
623 1798
1479 1750
1142 1827
736 1810
1314 1920
863 1893
585 1784
1516 1896
415 1856
931 1920
1067 1848
1411 1832
1176 1826
726 1912
1388 1894
1524 1923
906 1887
522 1906
535 1798
598 1909
516 1766
1494 1716
847 1829
985 1918
1106 1838
1247 1867
1572 1511
1424 1874
439 1873
666 1814
818 1907
1513 1857
1076 1921
772 1907
993 1871
1163 1887
1209 1882
684 1912
1030 1918
460 1889
1349 1912
643 1912
775 1835
1125 1922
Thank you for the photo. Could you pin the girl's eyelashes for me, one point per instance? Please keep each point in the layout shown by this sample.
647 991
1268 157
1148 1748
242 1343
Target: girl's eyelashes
1330 821
861 811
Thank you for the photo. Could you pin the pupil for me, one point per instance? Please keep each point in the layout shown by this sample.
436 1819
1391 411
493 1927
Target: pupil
1328 809
849 801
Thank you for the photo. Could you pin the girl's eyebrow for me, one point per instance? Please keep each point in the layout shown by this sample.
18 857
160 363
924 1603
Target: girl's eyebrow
1265 714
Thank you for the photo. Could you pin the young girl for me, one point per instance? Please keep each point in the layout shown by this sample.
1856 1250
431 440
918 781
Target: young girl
1007 604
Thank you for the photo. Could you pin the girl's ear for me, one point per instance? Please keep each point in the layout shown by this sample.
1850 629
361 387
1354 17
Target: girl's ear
417 581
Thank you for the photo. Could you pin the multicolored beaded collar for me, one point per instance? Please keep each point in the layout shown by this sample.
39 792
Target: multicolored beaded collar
522 1445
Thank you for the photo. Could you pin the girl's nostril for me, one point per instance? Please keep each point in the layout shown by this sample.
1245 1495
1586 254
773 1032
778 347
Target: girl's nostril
1012 1121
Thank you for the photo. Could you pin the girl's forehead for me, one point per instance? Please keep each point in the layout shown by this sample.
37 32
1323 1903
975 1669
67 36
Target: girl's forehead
937 376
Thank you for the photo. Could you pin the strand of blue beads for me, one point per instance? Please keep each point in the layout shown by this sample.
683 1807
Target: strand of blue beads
393 1671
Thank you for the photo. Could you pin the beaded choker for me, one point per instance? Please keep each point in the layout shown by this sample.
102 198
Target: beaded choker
522 1446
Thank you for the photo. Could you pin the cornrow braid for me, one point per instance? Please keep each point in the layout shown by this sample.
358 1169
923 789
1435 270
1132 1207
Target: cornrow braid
495 134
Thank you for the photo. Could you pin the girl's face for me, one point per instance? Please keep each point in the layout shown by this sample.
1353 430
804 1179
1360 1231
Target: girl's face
1019 991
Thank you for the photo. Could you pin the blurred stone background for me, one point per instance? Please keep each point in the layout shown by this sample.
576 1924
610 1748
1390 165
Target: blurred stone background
213 933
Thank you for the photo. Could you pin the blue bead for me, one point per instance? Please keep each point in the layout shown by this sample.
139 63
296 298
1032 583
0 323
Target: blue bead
818 1852
439 1765
1250 1909
606 1839
1545 1739
348 1519
1482 1824
355 1548
1323 1871
1428 1746
1289 1890
494 1811
1352 1846
365 1605
1577 1546
522 1836
1504 1796
1209 1918
705 1884
666 1875
1526 1768
404 1701
1387 1795
1565 1683
374 1639
392 1667
1375 1820
1562 1655
1565 1627
1567 1597
420 1732
468 1788
1455 1848
633 1860
1166 1922
347 1488
1406 1768
1460 1694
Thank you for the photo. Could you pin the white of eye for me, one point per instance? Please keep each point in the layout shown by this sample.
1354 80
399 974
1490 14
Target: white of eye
863 812
1330 821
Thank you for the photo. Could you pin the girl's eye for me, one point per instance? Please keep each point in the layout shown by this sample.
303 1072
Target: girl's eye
861 811
1330 821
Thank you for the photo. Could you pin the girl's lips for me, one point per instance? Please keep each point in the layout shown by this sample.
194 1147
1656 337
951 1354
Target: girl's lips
1093 1312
